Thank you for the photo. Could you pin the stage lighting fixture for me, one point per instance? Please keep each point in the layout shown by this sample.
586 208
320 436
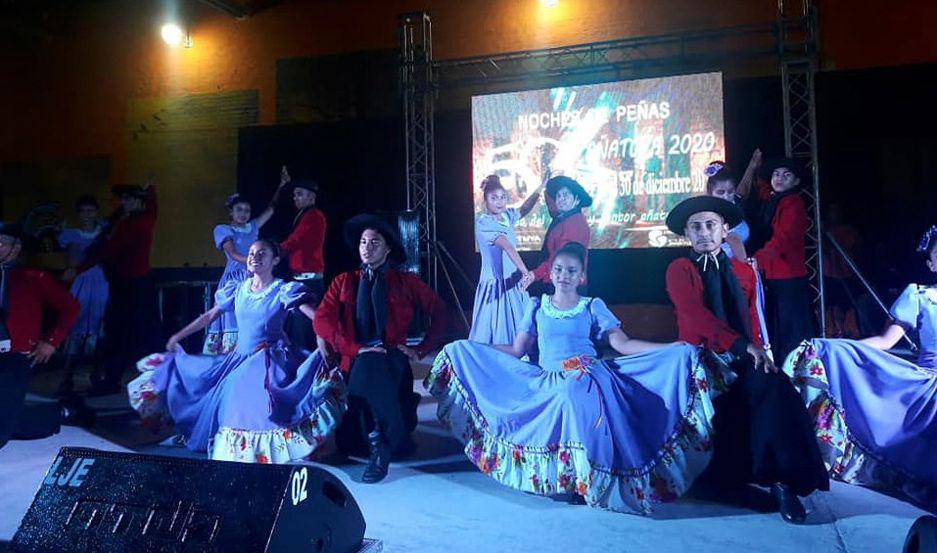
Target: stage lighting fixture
173 35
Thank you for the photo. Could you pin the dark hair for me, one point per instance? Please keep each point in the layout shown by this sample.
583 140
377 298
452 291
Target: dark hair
274 247
86 199
491 183
575 250
235 199
723 174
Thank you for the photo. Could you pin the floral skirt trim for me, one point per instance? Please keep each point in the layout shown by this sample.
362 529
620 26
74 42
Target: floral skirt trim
566 467
277 446
219 343
846 458
280 445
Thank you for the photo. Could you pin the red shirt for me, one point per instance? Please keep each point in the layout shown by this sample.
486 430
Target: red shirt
126 254
335 316
696 324
573 229
33 293
304 244
785 254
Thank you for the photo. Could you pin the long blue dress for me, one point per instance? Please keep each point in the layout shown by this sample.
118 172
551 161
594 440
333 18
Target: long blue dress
499 302
876 414
221 335
625 433
91 290
264 402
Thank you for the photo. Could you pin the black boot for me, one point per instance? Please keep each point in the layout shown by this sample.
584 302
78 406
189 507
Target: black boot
379 460
789 505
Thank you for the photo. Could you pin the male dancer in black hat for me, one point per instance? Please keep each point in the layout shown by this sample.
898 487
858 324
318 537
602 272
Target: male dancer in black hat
303 248
364 317
763 432
131 321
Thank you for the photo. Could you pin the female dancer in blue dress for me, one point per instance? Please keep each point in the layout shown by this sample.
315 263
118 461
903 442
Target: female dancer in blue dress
876 414
89 288
624 433
500 297
266 401
234 239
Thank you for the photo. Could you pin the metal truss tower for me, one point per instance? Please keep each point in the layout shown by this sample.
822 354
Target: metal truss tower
417 87
798 47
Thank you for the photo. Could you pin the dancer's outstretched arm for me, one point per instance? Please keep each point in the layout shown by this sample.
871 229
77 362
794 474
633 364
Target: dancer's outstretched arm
267 213
624 345
199 323
887 339
531 200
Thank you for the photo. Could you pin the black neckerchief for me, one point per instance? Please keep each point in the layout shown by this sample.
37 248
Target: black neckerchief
300 215
559 218
371 304
769 208
721 291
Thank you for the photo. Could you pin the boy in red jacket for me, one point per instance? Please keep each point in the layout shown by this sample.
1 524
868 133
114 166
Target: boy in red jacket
782 259
763 432
364 317
303 249
24 295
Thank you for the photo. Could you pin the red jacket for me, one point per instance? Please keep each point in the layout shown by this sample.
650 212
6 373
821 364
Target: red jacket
335 316
33 293
573 229
126 253
696 324
784 255
304 244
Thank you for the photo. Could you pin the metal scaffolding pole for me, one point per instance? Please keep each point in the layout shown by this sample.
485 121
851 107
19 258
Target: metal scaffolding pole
798 47
417 87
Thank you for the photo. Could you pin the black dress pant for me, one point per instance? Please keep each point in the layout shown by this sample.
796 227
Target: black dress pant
298 327
14 379
763 434
131 326
789 306
380 392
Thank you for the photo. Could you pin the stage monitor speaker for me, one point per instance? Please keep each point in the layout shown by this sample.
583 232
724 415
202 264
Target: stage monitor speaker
922 537
94 500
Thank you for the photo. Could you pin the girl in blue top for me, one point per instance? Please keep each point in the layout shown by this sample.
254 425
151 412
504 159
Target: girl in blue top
234 239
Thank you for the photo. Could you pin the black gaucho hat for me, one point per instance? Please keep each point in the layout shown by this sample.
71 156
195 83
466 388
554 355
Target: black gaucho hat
789 163
305 184
562 181
13 229
16 230
129 190
678 216
359 223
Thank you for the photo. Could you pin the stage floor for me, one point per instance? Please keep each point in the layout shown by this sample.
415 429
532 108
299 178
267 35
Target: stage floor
439 502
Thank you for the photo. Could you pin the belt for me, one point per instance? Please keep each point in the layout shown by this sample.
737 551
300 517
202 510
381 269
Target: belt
308 276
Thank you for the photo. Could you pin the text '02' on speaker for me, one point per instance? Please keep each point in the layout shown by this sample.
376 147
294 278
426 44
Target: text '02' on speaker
104 501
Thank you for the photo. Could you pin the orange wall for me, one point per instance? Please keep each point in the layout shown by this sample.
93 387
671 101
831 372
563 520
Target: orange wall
70 96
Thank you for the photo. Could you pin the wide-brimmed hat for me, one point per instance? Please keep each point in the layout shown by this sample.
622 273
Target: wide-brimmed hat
789 163
12 229
359 223
129 190
562 181
304 183
16 230
678 216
